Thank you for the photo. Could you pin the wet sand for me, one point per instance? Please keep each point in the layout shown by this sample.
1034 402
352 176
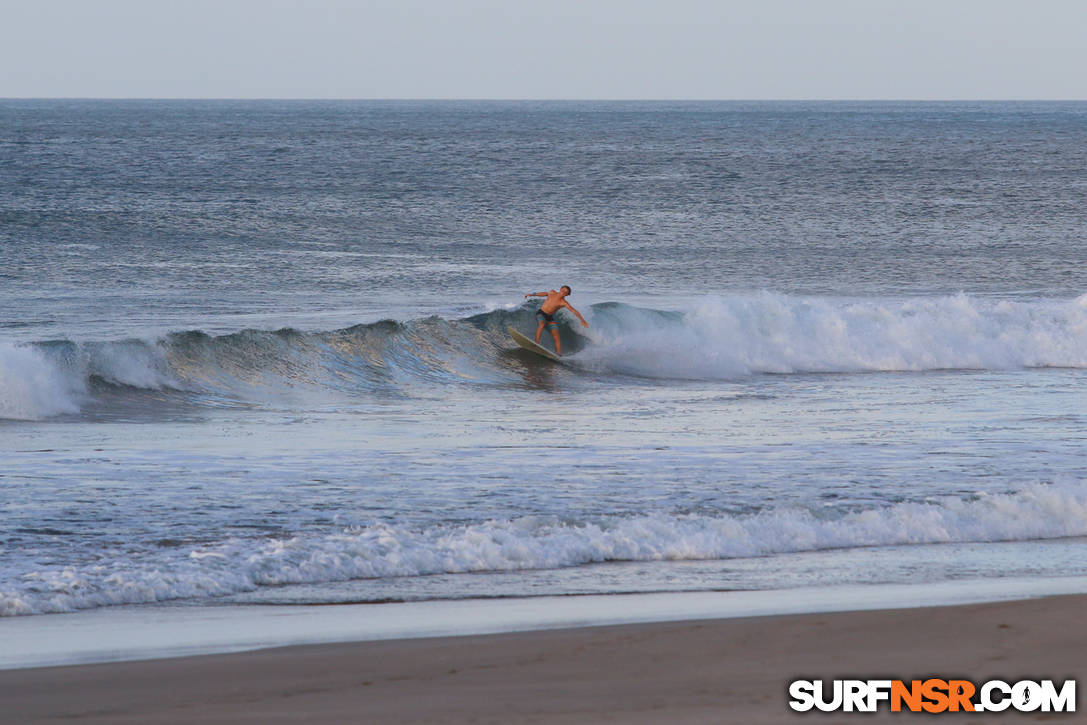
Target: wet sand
708 671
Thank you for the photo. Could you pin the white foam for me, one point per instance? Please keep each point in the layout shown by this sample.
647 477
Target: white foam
725 337
33 387
382 550
41 381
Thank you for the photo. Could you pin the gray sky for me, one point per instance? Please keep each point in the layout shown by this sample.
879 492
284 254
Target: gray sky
668 49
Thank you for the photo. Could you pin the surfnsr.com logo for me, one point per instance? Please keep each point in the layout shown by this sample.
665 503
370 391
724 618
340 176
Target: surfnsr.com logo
933 695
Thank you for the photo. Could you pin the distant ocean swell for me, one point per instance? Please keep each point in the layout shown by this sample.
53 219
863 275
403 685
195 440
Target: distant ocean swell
725 337
1038 511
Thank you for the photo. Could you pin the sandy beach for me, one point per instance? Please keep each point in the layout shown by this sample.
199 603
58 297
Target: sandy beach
709 671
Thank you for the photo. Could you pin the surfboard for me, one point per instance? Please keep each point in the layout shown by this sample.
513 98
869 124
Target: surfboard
528 344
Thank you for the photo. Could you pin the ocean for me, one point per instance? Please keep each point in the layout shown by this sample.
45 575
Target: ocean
255 353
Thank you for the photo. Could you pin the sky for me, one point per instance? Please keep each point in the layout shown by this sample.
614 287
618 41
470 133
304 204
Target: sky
545 49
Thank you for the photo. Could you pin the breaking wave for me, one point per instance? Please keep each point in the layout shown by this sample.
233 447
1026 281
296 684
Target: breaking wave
714 338
386 550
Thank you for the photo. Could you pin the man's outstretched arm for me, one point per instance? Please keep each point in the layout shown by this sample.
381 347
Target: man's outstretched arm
571 308
535 294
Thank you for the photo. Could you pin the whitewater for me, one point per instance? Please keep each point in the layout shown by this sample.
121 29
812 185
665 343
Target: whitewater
382 551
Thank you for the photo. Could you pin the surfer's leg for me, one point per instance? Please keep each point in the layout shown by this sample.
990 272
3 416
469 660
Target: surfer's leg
539 331
555 334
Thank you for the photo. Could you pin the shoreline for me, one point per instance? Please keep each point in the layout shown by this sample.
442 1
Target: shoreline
691 671
144 632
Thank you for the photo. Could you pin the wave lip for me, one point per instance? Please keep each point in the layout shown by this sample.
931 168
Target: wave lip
387 550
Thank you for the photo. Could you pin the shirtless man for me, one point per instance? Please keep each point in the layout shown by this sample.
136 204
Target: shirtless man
555 301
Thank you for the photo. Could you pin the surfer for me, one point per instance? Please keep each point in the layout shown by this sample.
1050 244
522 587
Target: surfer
555 301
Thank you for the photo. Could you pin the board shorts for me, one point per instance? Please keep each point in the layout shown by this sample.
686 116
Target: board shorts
548 319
